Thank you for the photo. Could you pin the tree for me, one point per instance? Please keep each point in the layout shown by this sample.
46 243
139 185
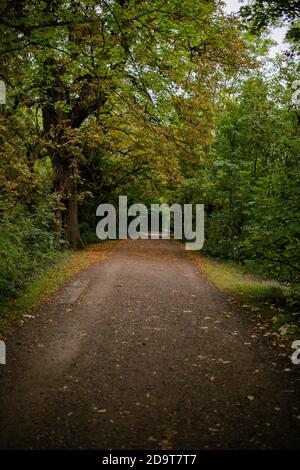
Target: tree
77 57
251 182
261 13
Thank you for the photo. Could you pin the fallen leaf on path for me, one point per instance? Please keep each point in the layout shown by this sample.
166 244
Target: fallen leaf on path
101 410
212 378
213 430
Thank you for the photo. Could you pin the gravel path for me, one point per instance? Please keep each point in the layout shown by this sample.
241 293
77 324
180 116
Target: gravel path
140 351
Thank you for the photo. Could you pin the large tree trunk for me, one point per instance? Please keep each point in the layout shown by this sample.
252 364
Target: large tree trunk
71 227
56 127
59 127
65 186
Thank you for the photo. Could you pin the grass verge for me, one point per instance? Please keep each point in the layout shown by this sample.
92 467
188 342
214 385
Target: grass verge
47 280
268 299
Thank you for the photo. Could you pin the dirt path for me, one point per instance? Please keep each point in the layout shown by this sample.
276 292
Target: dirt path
140 352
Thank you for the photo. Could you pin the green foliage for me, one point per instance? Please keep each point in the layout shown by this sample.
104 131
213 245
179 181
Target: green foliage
250 185
262 13
292 298
26 207
25 244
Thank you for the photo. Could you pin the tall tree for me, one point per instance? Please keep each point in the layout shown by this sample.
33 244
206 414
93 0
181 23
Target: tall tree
77 57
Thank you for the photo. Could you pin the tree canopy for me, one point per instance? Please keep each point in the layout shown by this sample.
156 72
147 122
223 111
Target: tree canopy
162 101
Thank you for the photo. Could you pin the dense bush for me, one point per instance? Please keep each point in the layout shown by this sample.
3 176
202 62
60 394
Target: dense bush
26 208
25 243
250 186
